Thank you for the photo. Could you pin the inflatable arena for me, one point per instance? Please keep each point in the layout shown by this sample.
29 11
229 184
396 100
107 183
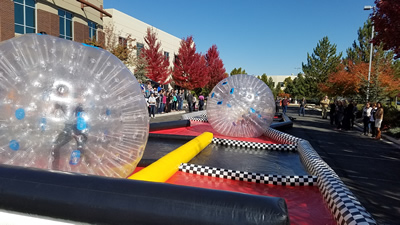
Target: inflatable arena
76 147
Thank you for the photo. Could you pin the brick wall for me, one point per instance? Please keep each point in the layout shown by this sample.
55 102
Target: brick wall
81 32
7 28
48 22
101 38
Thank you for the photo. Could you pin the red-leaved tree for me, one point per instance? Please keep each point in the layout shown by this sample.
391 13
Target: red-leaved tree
157 66
387 25
190 69
215 66
351 80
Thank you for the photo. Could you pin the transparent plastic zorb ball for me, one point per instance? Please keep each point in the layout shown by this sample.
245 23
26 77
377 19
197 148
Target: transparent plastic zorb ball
70 107
241 106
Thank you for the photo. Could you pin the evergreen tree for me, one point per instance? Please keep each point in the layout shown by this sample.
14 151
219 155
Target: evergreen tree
264 78
320 64
358 56
270 83
290 88
301 86
359 52
267 80
238 71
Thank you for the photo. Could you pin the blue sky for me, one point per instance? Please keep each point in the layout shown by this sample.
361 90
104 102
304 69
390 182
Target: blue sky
260 36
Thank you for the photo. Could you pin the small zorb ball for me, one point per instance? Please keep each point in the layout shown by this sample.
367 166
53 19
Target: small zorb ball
241 106
69 107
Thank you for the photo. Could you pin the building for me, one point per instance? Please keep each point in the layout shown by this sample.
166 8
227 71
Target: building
125 25
76 20
280 79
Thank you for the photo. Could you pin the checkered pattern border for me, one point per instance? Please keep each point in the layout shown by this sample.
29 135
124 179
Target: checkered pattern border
305 180
343 204
254 145
200 116
281 137
199 119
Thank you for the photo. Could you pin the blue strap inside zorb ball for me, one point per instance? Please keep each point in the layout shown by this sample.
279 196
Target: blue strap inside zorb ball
81 123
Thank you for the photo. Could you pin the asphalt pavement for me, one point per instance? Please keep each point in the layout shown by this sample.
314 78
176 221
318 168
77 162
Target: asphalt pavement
370 168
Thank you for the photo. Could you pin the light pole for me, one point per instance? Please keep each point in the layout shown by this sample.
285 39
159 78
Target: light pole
368 7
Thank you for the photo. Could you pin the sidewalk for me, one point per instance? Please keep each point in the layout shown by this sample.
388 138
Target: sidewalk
370 168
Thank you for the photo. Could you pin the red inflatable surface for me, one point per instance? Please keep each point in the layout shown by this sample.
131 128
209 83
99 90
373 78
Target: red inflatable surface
305 204
198 128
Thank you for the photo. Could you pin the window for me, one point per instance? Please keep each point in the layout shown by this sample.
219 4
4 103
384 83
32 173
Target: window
92 29
24 16
65 24
139 47
166 55
122 41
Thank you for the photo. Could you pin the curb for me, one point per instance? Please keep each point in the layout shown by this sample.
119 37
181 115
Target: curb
384 136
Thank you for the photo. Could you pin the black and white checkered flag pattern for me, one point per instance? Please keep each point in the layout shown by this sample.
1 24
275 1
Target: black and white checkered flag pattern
281 137
345 207
343 204
254 145
200 116
294 180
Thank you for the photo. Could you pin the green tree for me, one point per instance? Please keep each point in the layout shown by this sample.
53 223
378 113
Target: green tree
301 86
263 77
360 51
290 88
270 83
238 71
322 62
267 80
277 90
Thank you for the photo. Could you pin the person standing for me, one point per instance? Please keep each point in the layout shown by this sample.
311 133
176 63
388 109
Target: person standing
302 106
366 115
372 120
332 112
152 104
194 103
378 120
285 103
190 101
201 102
324 104
277 104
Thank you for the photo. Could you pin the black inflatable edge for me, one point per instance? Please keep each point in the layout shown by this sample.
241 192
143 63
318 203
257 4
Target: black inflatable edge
169 125
286 124
101 200
171 136
146 162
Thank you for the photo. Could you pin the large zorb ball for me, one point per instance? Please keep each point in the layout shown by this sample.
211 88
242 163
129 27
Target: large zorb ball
70 107
241 106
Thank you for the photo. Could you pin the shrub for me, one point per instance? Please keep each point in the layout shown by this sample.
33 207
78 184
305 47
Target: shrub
391 118
394 132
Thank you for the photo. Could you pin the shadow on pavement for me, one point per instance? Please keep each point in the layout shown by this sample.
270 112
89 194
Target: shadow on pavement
370 168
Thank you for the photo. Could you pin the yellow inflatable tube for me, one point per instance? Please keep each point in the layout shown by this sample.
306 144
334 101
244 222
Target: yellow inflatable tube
164 168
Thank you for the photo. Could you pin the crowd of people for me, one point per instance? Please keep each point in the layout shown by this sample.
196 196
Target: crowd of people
343 114
160 100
